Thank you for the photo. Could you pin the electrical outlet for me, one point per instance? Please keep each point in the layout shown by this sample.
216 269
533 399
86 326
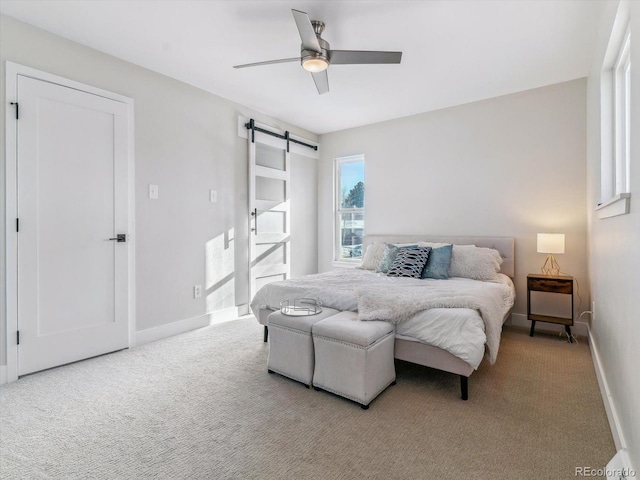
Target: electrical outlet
197 291
593 311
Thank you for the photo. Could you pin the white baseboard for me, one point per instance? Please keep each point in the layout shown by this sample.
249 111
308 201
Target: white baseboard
3 375
612 414
620 467
243 310
168 330
224 315
521 320
181 326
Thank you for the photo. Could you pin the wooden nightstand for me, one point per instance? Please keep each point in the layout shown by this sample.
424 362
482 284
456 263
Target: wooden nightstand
563 284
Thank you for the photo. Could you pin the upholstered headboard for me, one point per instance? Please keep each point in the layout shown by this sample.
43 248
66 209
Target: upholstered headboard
504 245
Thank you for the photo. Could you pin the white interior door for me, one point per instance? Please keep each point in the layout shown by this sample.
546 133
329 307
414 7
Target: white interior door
269 207
72 199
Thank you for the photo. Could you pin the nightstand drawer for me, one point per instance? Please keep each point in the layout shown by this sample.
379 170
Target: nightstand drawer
550 285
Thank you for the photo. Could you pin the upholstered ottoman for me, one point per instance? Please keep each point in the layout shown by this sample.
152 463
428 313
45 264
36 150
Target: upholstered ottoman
354 359
291 345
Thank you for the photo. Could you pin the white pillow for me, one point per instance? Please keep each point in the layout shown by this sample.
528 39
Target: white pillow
473 262
372 256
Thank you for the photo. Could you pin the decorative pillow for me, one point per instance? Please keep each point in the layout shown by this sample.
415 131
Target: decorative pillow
438 263
473 262
372 256
409 262
389 255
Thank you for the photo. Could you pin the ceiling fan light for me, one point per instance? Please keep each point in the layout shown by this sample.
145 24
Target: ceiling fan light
315 65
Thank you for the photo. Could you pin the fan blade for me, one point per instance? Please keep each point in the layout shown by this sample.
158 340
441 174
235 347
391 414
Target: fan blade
322 81
307 33
350 57
269 62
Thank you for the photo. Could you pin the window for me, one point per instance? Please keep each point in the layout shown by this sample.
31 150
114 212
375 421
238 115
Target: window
349 211
621 115
615 159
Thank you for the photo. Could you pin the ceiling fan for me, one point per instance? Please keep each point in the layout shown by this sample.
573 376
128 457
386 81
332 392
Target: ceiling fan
316 54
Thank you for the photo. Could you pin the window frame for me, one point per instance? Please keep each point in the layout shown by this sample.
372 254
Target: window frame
338 260
615 131
621 117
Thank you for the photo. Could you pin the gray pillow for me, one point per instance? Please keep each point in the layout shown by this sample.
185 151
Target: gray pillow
438 263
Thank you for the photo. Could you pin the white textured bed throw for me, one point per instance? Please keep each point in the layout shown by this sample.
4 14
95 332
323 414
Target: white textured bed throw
398 303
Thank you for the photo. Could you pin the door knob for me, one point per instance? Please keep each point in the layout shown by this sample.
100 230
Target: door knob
120 237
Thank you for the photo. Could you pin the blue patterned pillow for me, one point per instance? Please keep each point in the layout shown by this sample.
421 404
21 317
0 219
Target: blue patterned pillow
409 262
438 263
389 255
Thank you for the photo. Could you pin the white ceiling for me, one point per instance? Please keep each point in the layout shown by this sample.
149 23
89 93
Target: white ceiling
454 52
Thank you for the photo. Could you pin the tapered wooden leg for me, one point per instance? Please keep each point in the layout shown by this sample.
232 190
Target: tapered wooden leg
464 387
266 333
533 326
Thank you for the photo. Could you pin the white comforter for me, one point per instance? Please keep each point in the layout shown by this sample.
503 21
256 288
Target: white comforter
458 315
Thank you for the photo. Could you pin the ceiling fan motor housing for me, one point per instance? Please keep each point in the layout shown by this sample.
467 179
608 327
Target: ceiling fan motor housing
307 55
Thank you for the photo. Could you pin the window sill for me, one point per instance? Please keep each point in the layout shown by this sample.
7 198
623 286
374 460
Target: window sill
345 264
618 205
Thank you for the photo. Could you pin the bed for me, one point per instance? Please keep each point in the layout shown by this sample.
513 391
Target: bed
450 325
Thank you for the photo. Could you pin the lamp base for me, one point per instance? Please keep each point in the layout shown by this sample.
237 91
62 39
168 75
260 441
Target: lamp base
550 266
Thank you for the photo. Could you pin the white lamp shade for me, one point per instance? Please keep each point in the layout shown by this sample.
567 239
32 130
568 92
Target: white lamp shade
551 243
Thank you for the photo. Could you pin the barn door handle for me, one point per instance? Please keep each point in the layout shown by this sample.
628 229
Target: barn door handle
120 238
254 214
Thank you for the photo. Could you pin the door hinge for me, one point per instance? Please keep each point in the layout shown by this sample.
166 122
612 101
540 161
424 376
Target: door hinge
18 337
17 109
17 224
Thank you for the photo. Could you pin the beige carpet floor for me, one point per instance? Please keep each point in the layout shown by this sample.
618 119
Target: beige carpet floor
201 405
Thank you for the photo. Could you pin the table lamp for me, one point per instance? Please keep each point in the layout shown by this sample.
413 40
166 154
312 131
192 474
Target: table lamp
551 243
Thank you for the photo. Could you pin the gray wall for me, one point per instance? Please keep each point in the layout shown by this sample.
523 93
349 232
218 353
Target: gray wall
186 142
613 252
304 215
508 166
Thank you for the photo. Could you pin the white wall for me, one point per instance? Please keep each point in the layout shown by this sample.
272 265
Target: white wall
614 256
508 166
304 215
186 142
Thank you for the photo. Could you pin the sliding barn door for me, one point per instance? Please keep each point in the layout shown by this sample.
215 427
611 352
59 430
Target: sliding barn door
269 212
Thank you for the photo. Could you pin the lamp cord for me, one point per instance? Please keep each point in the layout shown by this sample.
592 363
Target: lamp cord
577 316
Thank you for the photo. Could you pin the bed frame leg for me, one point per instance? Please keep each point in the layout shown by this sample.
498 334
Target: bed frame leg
266 333
464 387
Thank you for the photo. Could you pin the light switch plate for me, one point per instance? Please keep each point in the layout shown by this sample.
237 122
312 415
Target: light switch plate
153 192
213 196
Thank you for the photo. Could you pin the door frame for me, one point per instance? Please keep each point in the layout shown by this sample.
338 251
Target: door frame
11 201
